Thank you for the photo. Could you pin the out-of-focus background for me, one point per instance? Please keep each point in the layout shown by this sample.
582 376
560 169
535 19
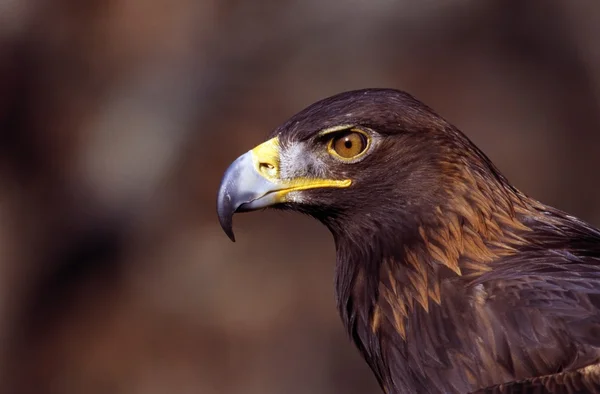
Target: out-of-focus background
118 118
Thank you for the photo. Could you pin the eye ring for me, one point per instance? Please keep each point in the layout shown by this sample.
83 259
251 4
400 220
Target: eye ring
349 145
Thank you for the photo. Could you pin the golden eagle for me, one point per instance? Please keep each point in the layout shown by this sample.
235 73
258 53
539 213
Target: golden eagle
448 279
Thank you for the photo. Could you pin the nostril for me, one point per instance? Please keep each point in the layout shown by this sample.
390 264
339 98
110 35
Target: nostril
267 169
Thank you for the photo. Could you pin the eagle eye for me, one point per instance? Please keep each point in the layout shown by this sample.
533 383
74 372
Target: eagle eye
348 144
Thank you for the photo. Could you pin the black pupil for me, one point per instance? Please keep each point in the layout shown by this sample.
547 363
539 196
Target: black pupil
348 143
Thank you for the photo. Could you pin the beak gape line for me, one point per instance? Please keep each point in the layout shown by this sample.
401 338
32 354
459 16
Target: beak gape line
253 182
243 188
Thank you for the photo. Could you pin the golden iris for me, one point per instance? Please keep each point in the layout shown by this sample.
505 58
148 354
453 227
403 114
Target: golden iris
348 145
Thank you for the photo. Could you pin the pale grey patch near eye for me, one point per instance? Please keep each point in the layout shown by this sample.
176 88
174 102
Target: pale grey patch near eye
297 161
288 159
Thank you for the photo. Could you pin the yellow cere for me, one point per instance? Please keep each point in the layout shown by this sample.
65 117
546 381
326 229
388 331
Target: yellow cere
266 161
265 158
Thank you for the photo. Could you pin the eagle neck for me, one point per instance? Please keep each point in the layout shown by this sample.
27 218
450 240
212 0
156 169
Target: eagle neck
395 271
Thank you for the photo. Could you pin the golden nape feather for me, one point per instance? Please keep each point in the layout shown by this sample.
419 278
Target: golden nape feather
448 279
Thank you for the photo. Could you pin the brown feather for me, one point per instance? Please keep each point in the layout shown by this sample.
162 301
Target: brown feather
449 279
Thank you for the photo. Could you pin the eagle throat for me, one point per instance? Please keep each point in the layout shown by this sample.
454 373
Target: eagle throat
392 273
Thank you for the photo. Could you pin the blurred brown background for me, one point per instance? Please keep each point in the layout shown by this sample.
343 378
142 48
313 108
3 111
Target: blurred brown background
118 118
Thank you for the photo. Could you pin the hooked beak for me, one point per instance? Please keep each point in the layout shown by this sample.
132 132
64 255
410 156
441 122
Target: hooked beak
253 182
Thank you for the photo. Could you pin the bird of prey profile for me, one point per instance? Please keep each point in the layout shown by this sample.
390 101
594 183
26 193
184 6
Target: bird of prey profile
448 279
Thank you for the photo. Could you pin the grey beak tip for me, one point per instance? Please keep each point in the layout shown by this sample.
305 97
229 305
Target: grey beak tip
242 189
230 234
226 222
225 211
